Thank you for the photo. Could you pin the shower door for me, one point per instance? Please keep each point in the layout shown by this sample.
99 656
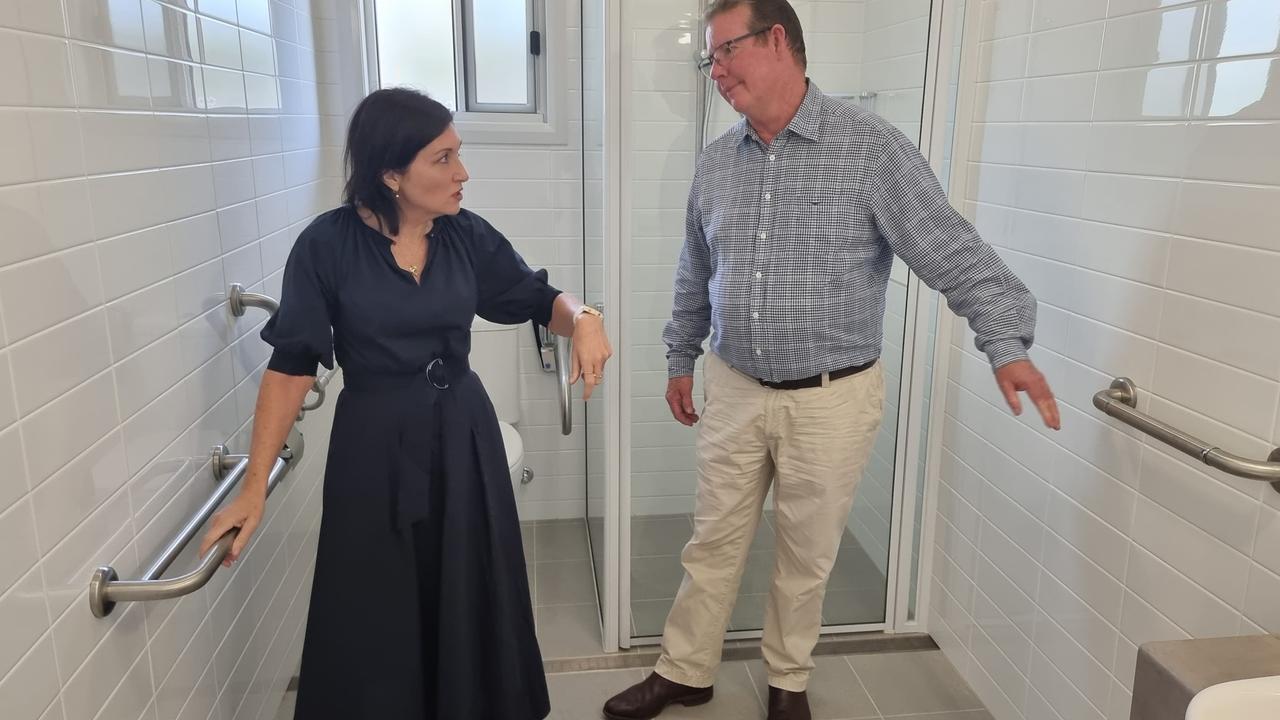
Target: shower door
872 53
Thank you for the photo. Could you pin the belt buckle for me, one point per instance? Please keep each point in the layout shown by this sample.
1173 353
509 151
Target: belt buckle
432 364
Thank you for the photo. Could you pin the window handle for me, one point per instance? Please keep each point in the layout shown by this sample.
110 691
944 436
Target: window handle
535 42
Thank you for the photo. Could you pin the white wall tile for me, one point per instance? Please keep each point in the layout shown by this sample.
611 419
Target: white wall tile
68 284
28 690
59 359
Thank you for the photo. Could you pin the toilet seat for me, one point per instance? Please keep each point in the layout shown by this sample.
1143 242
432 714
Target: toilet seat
514 444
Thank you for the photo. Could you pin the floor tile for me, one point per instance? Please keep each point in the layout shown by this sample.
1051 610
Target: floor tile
579 696
659 535
286 706
564 583
757 574
748 612
528 539
650 616
654 578
735 698
958 715
853 607
561 541
834 690
914 682
568 631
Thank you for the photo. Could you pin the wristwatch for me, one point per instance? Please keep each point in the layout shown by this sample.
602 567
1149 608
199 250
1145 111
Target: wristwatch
587 310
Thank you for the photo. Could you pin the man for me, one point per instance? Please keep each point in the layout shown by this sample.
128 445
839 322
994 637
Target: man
793 220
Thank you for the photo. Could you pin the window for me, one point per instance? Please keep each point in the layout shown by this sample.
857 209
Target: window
493 62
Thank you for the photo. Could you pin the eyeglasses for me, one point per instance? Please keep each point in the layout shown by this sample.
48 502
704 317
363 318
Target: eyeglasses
723 53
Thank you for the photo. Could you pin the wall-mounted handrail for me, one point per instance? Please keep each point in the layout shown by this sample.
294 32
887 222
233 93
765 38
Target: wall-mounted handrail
105 589
1120 402
238 300
562 380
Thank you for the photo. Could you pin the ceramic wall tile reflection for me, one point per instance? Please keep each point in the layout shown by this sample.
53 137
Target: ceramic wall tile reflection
171 32
220 44
224 90
1153 38
117 23
33 15
1239 90
37 71
1242 27
1162 93
176 86
110 79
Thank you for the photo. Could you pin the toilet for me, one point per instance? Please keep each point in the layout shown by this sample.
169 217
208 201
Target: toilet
495 357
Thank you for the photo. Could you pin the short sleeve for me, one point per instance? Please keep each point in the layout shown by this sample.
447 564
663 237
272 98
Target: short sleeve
301 331
508 291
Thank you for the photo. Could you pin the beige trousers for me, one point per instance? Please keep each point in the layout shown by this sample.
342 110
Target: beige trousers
815 443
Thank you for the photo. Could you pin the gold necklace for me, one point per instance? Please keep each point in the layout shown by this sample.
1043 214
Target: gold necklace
413 270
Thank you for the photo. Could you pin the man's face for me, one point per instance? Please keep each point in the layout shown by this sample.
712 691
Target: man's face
746 69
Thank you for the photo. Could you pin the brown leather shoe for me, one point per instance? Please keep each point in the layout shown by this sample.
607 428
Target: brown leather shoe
646 699
787 705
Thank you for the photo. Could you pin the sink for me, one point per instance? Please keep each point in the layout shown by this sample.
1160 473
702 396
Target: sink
1255 699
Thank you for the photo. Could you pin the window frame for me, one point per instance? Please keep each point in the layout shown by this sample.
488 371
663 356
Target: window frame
544 124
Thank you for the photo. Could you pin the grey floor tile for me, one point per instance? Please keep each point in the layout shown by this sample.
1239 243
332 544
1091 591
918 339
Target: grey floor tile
853 569
654 578
562 540
564 583
757 574
765 538
650 616
748 612
569 631
735 698
528 539
286 706
660 535
579 696
959 715
834 691
913 683
853 607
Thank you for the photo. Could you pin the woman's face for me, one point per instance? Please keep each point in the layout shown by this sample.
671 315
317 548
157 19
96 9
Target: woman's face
433 181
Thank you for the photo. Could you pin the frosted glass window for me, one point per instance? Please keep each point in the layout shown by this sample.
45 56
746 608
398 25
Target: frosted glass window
415 47
501 52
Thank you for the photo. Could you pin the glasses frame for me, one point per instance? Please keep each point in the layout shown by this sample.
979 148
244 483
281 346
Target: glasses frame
726 50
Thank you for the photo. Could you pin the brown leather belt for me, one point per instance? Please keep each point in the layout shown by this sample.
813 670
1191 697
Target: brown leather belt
816 380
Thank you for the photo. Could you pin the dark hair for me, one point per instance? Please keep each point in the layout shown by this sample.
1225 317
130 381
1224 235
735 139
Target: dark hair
764 15
388 129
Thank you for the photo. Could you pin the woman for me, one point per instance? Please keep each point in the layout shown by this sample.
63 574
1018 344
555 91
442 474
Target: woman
420 607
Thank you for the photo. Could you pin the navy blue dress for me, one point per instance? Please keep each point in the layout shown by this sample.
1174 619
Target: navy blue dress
420 607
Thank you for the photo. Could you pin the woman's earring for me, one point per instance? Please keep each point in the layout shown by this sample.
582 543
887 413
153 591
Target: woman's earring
397 192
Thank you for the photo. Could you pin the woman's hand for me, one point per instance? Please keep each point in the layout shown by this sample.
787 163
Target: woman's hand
590 352
245 512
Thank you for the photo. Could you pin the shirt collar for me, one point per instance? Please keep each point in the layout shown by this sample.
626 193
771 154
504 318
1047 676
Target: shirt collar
806 123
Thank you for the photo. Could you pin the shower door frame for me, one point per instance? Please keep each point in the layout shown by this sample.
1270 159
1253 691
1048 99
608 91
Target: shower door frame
617 256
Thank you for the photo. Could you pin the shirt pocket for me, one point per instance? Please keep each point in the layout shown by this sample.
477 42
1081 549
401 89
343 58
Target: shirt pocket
845 235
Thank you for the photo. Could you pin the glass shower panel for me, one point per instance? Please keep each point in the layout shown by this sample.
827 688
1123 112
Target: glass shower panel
869 53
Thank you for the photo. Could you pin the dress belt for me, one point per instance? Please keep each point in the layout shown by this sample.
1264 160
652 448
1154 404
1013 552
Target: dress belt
418 404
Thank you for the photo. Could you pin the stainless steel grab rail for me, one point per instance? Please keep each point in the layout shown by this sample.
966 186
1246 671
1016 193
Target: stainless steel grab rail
1120 400
562 380
105 587
238 301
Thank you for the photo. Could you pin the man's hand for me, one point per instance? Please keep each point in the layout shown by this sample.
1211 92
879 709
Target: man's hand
1022 376
680 399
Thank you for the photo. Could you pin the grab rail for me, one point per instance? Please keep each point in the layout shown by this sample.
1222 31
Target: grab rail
562 380
105 587
1120 400
238 300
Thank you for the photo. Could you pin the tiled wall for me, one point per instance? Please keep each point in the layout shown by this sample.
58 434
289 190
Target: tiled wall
1123 156
150 154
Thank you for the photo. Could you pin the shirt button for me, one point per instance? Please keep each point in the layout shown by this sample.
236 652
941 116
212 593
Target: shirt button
763 235
768 196
759 352
771 158
758 276
755 316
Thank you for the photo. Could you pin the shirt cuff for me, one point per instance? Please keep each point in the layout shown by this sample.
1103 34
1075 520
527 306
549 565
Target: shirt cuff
679 366
1003 352
293 363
